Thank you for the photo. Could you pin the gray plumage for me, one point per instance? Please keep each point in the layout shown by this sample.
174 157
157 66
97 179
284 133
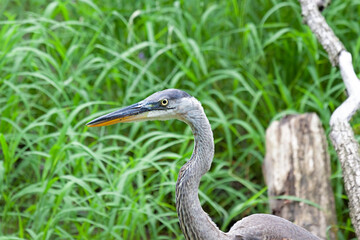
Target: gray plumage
194 221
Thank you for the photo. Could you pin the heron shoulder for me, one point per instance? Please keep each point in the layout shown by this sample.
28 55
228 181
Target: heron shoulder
266 226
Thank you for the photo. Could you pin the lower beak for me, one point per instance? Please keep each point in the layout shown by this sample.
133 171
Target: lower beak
132 113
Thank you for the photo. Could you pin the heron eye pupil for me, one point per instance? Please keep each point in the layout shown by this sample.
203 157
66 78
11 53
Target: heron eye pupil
164 102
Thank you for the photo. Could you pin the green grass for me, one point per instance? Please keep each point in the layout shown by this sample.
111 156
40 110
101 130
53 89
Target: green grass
63 63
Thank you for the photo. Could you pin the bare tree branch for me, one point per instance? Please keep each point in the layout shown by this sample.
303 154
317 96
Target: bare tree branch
341 133
321 29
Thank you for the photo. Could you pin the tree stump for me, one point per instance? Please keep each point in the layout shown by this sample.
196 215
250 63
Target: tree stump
297 172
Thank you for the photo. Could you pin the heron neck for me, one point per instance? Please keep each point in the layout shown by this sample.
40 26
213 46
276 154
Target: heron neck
194 221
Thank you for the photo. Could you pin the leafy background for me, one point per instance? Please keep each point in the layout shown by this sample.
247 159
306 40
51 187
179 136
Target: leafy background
65 62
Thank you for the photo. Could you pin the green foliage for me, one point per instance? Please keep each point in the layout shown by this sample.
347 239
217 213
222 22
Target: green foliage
63 63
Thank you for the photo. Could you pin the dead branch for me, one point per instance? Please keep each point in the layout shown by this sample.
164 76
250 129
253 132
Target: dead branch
341 133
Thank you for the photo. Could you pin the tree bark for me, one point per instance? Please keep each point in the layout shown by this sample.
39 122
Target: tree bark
341 133
348 152
297 172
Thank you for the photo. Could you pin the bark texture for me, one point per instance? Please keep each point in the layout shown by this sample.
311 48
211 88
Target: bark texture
321 29
342 135
297 172
348 152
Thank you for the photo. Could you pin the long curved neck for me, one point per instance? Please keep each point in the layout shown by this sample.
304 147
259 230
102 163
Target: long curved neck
194 221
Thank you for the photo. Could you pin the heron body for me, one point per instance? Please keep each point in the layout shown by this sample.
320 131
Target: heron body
194 221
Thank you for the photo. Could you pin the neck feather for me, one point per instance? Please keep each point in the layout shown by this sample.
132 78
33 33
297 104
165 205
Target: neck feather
194 221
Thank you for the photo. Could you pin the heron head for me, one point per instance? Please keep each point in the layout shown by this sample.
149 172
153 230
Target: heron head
163 105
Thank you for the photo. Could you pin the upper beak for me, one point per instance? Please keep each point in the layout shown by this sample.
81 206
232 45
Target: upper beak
135 112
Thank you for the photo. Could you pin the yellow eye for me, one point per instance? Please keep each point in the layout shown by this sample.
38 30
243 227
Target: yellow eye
164 102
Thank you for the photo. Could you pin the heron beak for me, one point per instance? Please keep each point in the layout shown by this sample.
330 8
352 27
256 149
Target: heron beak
132 113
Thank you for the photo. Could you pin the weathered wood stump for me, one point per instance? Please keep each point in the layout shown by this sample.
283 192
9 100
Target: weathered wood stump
297 172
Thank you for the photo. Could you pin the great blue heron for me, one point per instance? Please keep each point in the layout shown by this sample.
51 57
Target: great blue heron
194 221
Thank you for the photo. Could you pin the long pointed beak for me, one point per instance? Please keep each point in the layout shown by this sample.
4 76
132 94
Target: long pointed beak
132 113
